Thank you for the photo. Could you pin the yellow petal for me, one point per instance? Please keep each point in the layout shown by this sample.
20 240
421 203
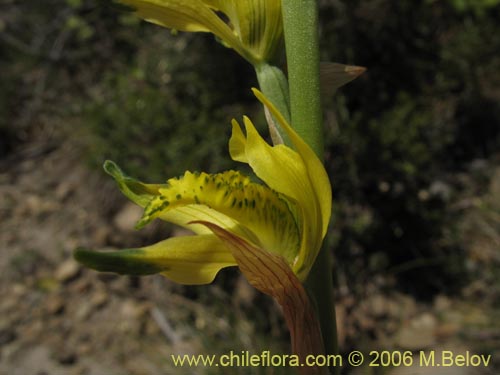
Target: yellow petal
237 144
315 169
270 274
181 15
318 213
258 23
186 260
193 15
299 175
142 194
280 167
232 201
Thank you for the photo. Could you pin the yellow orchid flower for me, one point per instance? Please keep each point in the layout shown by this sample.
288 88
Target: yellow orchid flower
287 216
251 27
272 231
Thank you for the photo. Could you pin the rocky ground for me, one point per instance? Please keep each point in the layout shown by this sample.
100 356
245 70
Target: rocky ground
59 318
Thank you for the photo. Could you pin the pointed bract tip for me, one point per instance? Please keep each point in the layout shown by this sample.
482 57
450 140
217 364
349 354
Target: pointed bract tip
260 96
256 91
354 70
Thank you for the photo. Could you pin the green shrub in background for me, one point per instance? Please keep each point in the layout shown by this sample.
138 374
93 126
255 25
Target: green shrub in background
85 64
424 111
479 7
51 53
163 114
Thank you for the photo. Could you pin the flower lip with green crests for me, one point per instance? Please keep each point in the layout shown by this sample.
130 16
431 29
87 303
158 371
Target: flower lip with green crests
253 28
287 216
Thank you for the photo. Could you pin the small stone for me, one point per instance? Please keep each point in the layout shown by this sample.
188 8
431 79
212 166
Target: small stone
127 217
442 303
63 190
67 271
134 310
81 285
83 311
99 299
348 301
419 334
84 348
55 305
447 330
393 309
33 204
407 305
366 323
19 289
101 235
378 305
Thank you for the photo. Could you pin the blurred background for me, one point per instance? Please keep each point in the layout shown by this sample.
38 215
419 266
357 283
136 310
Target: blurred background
412 151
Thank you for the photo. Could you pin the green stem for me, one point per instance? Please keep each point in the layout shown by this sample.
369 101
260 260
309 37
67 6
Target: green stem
300 21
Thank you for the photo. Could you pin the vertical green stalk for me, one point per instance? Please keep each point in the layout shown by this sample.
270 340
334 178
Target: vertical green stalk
300 21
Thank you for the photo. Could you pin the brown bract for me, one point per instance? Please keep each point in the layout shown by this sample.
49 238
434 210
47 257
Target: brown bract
270 274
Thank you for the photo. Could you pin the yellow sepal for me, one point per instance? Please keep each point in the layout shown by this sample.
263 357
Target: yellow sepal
187 260
297 174
254 28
